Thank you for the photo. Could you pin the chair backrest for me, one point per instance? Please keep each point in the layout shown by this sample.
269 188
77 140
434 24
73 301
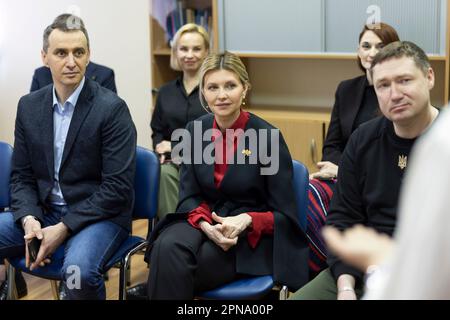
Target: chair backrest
5 173
301 185
146 184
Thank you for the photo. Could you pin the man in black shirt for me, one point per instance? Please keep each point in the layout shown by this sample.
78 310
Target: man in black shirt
375 159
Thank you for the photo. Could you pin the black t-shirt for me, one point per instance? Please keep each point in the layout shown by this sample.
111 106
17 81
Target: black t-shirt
369 180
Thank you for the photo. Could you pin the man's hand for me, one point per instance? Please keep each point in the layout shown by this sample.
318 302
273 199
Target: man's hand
214 232
233 226
162 148
346 294
359 246
346 287
53 237
327 170
32 229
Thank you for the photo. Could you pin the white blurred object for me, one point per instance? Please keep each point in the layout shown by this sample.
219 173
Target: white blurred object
420 265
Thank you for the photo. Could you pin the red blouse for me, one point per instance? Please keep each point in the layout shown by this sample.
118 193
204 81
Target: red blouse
262 222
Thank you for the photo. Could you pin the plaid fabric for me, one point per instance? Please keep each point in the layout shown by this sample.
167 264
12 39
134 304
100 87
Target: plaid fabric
319 196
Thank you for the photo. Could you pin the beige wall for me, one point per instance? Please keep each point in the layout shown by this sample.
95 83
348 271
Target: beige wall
119 34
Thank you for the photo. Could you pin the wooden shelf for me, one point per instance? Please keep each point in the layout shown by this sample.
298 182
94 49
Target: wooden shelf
433 57
324 56
161 52
318 55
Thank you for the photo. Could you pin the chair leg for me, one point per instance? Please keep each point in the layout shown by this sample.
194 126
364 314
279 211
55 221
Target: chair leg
122 283
55 290
284 293
12 290
129 275
123 274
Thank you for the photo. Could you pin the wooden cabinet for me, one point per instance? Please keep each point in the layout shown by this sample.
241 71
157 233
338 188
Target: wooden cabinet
304 132
298 62
326 26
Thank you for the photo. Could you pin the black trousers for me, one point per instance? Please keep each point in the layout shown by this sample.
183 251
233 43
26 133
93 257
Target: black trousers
184 261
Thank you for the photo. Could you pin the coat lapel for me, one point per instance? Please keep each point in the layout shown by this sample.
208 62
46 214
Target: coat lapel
206 171
47 134
81 110
355 105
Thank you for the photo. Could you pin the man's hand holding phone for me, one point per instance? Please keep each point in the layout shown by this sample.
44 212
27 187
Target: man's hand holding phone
33 238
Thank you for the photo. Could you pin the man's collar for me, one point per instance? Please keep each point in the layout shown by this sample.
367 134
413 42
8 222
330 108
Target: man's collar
73 97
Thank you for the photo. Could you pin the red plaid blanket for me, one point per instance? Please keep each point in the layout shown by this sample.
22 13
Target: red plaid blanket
319 196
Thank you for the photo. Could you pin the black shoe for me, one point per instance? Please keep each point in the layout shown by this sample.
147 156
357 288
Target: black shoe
21 286
138 292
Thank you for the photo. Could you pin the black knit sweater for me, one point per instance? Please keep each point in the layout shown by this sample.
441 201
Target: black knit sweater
369 180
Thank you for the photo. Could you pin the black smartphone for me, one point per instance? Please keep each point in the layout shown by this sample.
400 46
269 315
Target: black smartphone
33 248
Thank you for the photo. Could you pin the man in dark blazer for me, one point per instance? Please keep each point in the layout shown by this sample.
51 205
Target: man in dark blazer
73 167
103 75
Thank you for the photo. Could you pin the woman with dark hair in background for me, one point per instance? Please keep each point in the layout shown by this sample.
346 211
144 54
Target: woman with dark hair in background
356 101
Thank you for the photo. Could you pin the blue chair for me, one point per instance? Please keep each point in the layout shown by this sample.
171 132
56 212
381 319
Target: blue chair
254 288
146 188
5 172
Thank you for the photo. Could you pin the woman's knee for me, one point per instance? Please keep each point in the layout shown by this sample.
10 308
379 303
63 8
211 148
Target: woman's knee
322 287
175 241
169 174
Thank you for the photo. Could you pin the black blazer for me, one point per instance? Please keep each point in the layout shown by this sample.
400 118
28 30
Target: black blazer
348 100
105 76
244 189
98 163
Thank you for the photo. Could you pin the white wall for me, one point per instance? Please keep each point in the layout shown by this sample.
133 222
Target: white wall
119 34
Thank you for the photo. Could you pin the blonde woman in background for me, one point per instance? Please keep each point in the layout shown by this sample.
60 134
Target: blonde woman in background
178 103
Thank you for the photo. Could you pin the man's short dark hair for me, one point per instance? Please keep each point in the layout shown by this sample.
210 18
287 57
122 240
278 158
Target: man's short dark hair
65 22
400 49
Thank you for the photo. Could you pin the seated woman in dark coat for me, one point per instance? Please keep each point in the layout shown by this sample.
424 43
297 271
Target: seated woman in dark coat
237 214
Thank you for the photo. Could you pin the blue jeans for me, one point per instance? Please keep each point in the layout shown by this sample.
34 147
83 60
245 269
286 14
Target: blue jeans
85 253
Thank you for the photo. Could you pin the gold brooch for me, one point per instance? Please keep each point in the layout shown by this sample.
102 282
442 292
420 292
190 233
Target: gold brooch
247 152
402 162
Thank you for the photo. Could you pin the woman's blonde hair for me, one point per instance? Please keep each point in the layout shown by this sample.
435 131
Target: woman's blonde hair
190 27
223 61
